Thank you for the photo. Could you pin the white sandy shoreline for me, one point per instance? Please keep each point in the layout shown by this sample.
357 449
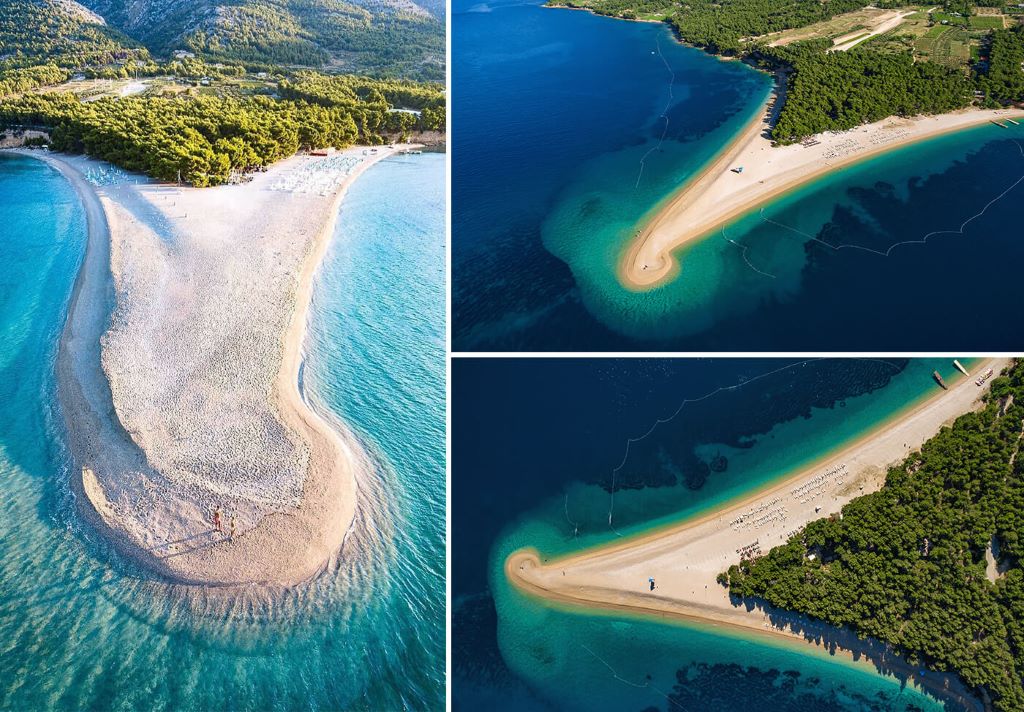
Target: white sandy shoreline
134 483
686 558
719 195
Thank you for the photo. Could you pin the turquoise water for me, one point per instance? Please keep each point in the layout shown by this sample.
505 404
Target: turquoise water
571 129
80 628
571 659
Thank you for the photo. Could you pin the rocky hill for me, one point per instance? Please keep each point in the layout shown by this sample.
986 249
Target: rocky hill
393 37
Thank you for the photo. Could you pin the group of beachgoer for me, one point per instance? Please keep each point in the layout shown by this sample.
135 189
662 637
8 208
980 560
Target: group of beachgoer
218 524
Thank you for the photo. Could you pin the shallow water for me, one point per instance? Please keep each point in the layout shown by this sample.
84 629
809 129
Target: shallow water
549 486
81 628
571 129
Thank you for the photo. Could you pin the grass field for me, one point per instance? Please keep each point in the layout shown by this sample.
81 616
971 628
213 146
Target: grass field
986 22
953 44
939 17
838 26
950 46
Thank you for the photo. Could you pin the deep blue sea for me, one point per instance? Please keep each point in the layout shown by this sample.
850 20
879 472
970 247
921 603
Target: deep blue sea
562 454
80 629
569 129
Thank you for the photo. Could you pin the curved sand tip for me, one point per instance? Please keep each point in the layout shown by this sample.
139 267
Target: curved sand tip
186 404
750 172
521 563
645 266
685 559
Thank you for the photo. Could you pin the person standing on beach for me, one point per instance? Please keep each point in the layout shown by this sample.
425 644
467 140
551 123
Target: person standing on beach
216 520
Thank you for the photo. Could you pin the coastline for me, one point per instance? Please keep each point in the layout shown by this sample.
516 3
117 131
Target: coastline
699 206
717 195
285 546
685 557
670 523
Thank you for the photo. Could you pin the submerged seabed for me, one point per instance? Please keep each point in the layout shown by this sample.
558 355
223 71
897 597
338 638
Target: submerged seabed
81 628
572 128
552 491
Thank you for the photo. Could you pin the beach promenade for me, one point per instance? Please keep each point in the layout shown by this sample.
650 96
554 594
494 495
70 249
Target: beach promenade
684 560
178 372
750 172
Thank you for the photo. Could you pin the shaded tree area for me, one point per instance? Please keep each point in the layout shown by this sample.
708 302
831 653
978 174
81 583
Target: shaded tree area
349 91
835 91
203 137
1003 81
907 564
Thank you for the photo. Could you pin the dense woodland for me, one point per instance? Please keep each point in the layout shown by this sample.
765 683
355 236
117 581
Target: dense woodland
349 91
835 91
202 137
1004 81
906 564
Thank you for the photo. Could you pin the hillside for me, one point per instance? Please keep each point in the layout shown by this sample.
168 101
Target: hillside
389 37
59 32
44 41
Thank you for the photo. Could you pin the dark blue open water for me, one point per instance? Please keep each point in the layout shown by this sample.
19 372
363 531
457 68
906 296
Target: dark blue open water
569 128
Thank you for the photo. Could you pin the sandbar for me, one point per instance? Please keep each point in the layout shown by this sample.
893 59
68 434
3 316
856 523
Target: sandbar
685 559
178 372
720 194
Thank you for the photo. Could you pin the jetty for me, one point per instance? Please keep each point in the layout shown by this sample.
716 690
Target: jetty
938 379
1000 124
960 367
1015 123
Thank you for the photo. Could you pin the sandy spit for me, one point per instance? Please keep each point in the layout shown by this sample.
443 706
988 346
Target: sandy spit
719 195
685 559
178 372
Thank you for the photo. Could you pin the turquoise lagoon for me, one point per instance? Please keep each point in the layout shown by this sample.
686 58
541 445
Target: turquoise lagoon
82 629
